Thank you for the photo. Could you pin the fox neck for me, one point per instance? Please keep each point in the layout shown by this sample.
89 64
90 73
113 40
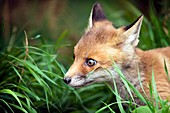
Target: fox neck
130 72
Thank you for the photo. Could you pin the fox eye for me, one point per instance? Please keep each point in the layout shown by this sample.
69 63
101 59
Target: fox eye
90 62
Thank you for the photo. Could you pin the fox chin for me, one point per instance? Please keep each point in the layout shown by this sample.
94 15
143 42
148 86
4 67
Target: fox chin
102 44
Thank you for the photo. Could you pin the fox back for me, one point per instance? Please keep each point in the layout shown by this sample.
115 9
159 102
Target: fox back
102 44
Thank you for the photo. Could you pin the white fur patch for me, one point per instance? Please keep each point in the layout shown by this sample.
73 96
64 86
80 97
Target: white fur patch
102 75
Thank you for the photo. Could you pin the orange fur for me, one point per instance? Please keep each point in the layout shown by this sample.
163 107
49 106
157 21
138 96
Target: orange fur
154 59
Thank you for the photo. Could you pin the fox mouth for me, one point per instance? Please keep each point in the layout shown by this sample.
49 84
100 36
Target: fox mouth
81 81
82 85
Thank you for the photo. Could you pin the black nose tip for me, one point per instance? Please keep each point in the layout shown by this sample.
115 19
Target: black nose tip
67 80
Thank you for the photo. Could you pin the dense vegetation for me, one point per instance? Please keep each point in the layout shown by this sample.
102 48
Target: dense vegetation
32 64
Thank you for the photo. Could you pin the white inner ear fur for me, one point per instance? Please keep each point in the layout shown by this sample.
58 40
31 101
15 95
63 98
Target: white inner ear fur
133 40
132 34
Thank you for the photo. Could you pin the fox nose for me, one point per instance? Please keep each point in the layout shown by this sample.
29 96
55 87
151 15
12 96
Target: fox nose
67 80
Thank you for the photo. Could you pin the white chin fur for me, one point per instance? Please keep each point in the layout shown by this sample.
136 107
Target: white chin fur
77 81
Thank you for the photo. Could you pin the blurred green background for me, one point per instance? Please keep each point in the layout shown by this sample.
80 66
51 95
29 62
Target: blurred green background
50 18
54 27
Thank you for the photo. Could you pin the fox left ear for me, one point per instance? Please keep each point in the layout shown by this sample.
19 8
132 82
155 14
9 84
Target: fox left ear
96 14
132 31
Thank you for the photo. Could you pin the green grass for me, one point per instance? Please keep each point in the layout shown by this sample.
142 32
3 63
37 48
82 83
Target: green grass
24 82
31 81
31 71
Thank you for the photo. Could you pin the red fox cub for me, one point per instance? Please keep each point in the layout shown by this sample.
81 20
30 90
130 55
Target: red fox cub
102 44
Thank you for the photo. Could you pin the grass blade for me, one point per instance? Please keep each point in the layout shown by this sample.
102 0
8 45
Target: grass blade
20 108
10 92
107 106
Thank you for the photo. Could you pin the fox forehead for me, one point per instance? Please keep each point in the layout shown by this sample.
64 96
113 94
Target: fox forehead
99 44
98 37
103 34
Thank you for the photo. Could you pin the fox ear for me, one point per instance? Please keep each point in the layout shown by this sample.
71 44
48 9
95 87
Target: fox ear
96 14
132 32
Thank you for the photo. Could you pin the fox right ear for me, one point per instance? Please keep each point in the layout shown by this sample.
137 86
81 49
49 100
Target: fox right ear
96 14
132 32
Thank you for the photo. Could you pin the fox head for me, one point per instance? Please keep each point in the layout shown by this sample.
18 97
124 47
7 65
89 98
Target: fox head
100 45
